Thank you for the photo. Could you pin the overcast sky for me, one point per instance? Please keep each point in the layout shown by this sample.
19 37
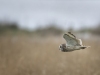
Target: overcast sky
39 13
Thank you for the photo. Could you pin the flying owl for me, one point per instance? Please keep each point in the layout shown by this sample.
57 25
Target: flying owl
72 43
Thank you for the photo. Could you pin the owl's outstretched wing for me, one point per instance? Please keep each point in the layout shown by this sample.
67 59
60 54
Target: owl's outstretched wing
72 40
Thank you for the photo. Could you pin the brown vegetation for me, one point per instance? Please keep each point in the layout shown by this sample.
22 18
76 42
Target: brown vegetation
21 55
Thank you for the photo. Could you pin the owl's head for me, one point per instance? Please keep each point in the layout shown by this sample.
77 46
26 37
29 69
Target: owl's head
62 47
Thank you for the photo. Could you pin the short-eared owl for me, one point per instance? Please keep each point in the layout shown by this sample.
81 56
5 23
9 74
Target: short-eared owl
72 43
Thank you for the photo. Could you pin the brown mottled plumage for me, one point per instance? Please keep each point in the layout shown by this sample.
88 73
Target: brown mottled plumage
72 34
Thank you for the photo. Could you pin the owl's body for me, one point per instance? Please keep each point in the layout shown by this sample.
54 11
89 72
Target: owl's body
72 43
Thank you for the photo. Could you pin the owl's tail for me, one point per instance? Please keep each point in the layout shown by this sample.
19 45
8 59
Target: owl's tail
83 47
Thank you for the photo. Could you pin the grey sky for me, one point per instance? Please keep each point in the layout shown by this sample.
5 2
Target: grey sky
35 13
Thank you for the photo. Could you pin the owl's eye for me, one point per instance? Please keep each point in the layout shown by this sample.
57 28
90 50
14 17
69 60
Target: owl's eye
60 46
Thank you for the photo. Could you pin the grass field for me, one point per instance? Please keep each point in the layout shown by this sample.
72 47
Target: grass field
22 55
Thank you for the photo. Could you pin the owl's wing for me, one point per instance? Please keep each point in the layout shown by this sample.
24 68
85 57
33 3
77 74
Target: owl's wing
71 40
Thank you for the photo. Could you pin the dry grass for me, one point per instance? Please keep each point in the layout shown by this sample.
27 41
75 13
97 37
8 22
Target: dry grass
35 56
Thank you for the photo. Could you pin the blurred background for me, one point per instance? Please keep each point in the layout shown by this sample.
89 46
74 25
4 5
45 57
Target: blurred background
31 32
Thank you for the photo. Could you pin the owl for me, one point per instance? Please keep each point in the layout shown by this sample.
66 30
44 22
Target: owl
72 43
